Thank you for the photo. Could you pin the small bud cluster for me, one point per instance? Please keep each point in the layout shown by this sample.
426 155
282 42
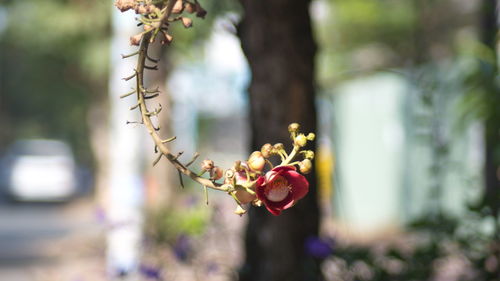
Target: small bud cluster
155 18
242 179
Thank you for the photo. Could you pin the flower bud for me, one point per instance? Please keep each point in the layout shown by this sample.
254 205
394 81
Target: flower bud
187 22
178 7
200 12
140 9
124 5
240 211
266 150
309 154
136 39
229 174
293 128
279 146
305 166
311 136
256 161
216 173
207 164
168 38
190 7
301 140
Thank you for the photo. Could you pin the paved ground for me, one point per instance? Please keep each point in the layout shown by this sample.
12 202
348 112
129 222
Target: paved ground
53 242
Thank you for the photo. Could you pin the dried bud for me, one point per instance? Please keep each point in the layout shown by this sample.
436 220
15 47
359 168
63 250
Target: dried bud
229 174
140 9
266 150
187 22
147 27
305 166
124 5
257 203
308 154
240 211
178 7
256 161
168 38
216 173
301 140
207 165
311 136
279 146
293 128
136 39
190 7
200 12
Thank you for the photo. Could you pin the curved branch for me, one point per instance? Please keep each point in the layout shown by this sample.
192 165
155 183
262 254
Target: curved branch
143 49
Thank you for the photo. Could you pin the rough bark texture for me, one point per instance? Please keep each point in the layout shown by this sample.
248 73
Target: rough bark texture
277 39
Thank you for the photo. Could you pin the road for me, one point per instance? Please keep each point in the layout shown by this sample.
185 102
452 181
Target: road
53 242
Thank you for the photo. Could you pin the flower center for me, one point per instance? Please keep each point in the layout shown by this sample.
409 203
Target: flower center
277 190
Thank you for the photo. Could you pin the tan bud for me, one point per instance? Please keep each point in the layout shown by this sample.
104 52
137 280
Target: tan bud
168 38
207 164
243 196
178 7
293 128
266 150
190 7
309 154
200 12
256 161
301 140
147 27
140 9
216 173
187 22
279 146
229 174
311 136
136 39
240 211
305 166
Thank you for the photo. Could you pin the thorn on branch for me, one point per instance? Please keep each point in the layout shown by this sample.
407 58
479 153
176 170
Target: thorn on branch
206 194
157 159
134 122
151 59
151 97
130 55
155 67
155 112
131 76
135 106
128 94
180 178
169 139
178 155
146 91
195 156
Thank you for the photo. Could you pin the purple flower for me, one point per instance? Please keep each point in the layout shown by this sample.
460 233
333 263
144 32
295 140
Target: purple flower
182 247
150 272
318 248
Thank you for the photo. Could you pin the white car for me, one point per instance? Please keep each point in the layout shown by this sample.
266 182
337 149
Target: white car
40 170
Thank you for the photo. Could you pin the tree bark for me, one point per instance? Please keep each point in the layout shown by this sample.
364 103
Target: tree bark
276 37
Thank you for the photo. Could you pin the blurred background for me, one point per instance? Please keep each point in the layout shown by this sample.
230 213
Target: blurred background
408 150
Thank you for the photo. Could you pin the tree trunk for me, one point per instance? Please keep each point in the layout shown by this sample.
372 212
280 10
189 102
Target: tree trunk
492 123
277 39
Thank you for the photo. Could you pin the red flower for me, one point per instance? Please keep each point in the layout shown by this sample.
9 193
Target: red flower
281 188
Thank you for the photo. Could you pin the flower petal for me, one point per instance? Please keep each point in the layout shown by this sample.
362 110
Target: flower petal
299 184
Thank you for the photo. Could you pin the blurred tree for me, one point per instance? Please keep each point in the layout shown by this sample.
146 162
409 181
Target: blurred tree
53 70
276 37
489 74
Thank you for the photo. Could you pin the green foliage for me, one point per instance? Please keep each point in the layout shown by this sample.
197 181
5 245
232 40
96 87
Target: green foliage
166 224
54 63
